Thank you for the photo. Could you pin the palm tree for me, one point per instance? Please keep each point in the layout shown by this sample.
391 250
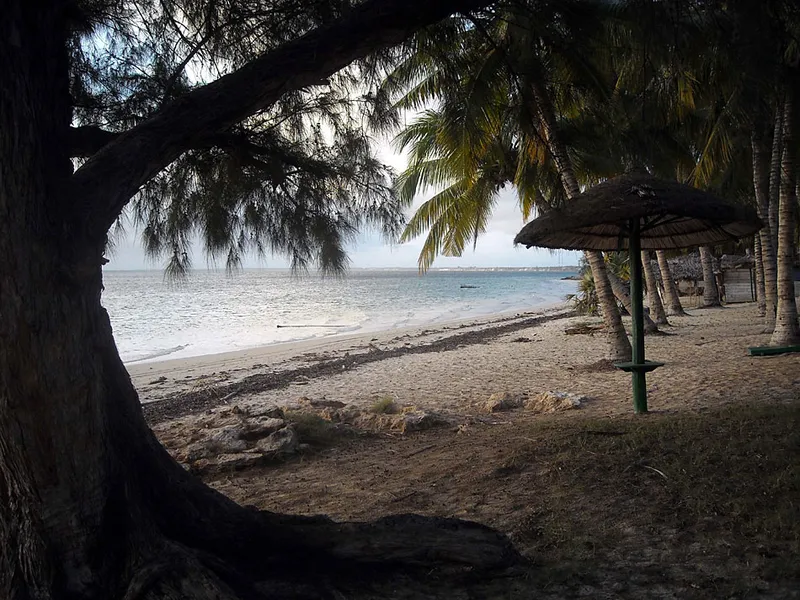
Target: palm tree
622 294
761 185
759 264
746 72
778 143
657 311
674 306
494 124
619 349
710 291
786 327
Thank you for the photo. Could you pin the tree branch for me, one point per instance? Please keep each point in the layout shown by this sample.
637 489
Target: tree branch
105 183
87 140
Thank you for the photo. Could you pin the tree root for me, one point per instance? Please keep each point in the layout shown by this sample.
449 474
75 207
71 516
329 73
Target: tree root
189 541
341 560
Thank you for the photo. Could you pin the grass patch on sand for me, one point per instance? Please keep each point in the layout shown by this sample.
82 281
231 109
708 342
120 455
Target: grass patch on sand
715 494
316 431
383 406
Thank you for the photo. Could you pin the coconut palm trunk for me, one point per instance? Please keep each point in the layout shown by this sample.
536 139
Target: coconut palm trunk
657 311
674 306
761 187
775 178
760 300
786 327
710 291
622 294
619 345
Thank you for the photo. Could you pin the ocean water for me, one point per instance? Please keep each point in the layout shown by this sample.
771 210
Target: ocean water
213 312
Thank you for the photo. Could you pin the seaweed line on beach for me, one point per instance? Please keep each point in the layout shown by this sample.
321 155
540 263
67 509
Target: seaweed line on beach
183 403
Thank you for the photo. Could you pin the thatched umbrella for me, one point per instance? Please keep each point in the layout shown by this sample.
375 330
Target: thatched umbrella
637 212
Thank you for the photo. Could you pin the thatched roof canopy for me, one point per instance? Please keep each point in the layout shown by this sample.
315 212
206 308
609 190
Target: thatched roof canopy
688 267
671 215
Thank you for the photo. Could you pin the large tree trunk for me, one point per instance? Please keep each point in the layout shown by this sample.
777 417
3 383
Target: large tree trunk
657 311
619 347
622 294
710 291
760 291
786 327
91 506
761 186
674 306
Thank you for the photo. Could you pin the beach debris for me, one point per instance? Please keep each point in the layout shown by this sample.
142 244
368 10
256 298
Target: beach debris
584 328
227 462
417 420
281 442
230 396
232 438
389 417
503 401
552 401
321 402
276 412
259 427
227 440
315 325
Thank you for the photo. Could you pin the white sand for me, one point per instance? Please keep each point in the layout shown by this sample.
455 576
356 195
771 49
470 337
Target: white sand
706 356
183 374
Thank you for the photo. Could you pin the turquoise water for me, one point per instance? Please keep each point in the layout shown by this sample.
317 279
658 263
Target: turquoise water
214 312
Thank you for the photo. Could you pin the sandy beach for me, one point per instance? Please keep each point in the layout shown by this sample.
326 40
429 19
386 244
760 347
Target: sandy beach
696 497
456 367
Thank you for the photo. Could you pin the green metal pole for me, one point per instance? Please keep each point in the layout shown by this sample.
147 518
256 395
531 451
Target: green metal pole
637 310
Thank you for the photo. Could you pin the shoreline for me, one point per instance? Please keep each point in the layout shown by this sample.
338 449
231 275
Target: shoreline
289 346
198 383
453 371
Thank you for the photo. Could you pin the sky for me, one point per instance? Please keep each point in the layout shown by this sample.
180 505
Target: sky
495 247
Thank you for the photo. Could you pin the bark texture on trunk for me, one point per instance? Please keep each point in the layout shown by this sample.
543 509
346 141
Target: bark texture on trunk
786 327
710 291
657 311
758 258
776 157
674 306
622 294
619 346
761 187
91 505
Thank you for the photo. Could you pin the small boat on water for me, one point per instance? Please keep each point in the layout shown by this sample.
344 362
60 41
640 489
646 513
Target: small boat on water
470 287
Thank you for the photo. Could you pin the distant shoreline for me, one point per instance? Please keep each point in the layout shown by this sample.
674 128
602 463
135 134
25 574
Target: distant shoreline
559 269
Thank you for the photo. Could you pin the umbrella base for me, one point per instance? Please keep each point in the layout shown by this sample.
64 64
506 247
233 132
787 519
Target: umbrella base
639 371
632 367
771 350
